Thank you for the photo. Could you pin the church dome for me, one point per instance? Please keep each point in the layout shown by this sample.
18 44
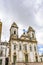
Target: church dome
24 36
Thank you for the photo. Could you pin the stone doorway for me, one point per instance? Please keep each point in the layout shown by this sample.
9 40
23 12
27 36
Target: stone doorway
26 57
14 58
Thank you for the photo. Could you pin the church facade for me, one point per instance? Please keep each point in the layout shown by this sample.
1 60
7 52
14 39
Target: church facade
23 48
20 50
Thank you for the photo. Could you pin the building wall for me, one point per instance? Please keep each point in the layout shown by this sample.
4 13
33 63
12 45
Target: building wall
28 39
41 58
4 54
21 54
3 60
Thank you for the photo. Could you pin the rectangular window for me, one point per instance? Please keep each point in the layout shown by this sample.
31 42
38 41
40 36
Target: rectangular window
30 48
20 46
14 59
14 47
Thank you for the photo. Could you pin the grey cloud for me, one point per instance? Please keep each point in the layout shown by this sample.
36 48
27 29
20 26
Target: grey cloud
23 11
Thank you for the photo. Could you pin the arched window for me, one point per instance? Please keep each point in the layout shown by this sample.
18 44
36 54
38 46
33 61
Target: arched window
14 32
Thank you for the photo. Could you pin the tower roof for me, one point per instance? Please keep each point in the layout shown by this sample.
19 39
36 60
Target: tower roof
31 29
14 25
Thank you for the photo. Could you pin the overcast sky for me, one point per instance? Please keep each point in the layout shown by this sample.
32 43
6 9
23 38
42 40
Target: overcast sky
25 13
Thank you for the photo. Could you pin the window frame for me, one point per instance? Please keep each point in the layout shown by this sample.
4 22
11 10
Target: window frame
25 47
20 48
14 46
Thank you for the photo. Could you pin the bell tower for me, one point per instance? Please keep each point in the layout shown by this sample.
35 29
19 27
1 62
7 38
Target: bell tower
31 33
14 31
0 30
